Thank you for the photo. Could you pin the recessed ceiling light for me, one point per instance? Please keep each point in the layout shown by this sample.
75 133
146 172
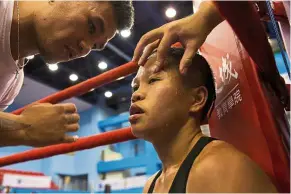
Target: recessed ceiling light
125 33
171 12
73 77
53 67
102 65
108 94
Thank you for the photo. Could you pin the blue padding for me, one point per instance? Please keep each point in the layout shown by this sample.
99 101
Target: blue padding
113 121
280 62
127 163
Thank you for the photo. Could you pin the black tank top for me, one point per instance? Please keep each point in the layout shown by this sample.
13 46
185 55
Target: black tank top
180 181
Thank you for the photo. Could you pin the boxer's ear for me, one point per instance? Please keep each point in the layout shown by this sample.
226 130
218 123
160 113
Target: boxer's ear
199 98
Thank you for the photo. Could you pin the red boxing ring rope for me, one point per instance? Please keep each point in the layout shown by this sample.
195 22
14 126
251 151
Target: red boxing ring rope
106 138
93 141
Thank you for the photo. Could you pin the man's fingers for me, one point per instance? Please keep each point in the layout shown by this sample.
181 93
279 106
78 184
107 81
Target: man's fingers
163 48
72 118
38 104
72 127
70 139
144 41
186 60
148 51
66 108
70 108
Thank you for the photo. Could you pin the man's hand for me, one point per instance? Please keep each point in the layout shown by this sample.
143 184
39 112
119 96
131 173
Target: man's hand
47 124
191 32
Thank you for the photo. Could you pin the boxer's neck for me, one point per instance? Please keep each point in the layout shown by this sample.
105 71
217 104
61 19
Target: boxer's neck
27 36
173 149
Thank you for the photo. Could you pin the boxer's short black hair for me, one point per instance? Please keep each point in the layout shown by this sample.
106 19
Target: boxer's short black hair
201 69
124 14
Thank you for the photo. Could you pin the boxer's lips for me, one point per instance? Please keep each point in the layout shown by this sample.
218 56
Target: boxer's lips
135 113
134 110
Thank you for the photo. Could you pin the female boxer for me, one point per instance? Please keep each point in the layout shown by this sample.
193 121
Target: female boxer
167 109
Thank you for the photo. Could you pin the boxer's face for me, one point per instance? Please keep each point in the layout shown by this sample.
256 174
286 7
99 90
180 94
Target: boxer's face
160 102
68 30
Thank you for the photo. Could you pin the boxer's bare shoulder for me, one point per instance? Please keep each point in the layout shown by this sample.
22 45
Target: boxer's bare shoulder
220 167
149 182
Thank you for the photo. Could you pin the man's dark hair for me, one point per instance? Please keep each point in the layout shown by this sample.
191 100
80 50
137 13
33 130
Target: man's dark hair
124 14
202 69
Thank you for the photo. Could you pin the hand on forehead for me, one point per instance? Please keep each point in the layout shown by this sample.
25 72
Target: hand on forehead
150 69
151 63
150 66
147 69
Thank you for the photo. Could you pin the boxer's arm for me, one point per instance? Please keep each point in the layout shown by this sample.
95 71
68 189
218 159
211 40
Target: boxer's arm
11 130
208 11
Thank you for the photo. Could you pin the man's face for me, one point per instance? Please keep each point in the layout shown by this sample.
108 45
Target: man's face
160 103
69 30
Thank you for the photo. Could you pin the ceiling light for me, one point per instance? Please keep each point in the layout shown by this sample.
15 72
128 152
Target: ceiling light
30 57
171 12
125 33
108 94
53 67
102 65
73 77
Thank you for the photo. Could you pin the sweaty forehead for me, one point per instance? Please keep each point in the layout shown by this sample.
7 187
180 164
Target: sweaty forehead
150 64
146 70
149 68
